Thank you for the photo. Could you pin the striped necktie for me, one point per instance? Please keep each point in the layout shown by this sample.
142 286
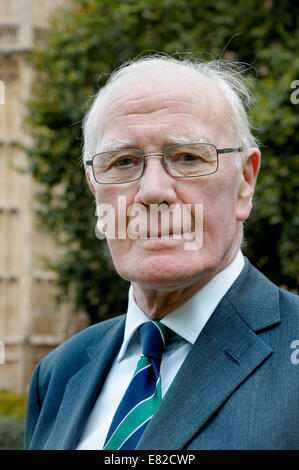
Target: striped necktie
143 394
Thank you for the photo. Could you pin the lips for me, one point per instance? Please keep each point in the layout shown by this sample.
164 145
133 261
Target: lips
158 224
160 236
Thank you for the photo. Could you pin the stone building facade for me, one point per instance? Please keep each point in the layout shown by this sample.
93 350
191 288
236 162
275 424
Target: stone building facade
30 322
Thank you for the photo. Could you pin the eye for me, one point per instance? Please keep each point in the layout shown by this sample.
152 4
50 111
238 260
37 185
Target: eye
187 157
124 161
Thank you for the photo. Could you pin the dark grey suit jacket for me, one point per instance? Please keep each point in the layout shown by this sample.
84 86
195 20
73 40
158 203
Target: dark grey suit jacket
238 388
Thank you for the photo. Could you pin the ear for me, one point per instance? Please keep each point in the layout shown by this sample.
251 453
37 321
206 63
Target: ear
249 172
89 181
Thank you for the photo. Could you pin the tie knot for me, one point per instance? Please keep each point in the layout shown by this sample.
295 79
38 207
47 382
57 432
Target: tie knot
153 335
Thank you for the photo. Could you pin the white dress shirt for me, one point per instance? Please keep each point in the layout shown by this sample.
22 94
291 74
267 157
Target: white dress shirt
187 322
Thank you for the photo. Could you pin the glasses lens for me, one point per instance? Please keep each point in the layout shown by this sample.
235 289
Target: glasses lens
191 160
119 166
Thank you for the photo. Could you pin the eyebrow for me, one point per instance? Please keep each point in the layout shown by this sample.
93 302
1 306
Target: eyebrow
190 139
119 144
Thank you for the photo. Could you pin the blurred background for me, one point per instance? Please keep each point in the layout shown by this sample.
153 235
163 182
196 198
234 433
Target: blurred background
56 277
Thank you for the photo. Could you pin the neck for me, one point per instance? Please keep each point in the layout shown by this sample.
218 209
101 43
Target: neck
159 300
156 304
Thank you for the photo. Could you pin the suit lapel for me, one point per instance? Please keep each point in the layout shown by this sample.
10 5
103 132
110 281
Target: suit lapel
82 390
226 352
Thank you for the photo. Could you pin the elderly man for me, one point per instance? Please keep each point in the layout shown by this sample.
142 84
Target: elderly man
202 359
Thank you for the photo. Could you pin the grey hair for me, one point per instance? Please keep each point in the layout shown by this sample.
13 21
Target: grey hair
227 75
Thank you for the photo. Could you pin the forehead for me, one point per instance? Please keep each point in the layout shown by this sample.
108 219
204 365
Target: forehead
162 98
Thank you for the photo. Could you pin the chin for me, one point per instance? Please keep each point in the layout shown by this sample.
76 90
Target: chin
163 275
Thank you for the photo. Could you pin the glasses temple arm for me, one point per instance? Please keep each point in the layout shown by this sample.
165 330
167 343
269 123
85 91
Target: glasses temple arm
230 150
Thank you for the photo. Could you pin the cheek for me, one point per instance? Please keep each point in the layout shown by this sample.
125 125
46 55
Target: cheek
106 194
110 194
117 199
218 198
112 204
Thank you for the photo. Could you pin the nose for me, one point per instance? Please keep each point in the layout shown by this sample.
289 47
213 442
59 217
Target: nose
155 186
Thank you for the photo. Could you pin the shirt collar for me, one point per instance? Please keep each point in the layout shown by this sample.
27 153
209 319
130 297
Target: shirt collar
189 319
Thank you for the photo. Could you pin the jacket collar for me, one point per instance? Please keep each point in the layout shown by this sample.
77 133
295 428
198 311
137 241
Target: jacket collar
255 299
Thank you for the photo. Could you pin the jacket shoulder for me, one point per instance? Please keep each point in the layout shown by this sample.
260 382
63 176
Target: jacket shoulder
289 297
289 303
261 303
72 354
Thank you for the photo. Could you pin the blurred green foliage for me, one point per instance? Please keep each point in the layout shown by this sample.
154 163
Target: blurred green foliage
12 431
92 37
13 404
12 420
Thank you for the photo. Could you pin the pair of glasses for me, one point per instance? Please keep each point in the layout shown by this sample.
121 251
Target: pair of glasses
179 161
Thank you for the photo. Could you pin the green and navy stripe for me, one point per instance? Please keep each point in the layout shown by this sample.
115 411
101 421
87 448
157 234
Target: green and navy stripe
143 394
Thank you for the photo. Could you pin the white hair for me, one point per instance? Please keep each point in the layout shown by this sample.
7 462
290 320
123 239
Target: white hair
227 75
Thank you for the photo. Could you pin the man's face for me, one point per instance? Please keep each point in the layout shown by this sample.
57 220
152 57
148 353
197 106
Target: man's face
149 110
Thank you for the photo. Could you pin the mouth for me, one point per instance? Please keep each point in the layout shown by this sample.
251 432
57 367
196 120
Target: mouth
174 223
162 235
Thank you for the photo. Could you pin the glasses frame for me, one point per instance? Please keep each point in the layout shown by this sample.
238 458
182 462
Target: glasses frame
164 164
